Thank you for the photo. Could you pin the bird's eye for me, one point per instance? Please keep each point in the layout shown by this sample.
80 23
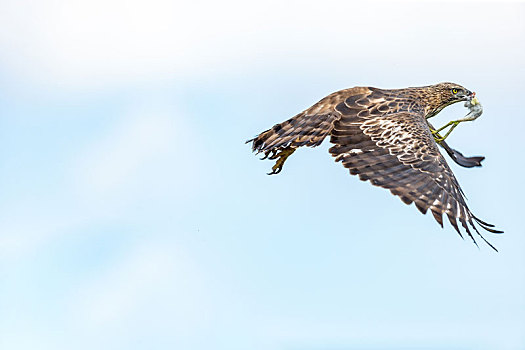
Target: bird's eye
454 91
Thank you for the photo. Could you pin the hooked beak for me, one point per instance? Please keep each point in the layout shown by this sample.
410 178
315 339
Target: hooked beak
470 95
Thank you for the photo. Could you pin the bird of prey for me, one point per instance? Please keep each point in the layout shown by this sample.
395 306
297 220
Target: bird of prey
384 137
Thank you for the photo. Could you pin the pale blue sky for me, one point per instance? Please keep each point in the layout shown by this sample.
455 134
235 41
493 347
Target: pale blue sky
133 216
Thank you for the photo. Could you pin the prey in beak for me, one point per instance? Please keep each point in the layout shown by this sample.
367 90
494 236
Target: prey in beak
475 110
473 101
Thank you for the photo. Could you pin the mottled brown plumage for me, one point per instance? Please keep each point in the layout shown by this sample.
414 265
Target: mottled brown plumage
383 136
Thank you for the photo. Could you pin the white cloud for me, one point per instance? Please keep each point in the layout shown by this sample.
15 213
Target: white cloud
96 42
395 334
114 295
158 280
143 156
20 236
153 149
113 161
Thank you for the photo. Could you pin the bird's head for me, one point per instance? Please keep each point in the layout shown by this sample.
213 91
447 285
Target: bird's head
451 93
442 95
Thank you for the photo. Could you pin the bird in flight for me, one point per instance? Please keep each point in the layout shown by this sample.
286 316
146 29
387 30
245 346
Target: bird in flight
384 137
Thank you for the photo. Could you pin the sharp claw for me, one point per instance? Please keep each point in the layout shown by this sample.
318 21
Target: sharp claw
275 155
266 154
275 171
281 157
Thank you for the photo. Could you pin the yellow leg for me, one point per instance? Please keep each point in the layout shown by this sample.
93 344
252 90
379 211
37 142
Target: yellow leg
282 156
439 138
453 124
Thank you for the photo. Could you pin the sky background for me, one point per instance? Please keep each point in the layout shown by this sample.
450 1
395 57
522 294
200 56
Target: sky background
133 216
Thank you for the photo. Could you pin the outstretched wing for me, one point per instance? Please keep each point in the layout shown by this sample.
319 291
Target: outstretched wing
386 140
302 130
308 128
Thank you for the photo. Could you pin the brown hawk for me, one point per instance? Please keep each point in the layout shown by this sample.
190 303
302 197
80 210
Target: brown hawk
384 137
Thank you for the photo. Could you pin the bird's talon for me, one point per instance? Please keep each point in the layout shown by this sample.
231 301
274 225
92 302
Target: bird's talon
275 155
276 169
281 158
266 154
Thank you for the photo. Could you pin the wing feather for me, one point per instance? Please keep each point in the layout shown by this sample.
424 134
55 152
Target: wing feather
388 142
308 128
